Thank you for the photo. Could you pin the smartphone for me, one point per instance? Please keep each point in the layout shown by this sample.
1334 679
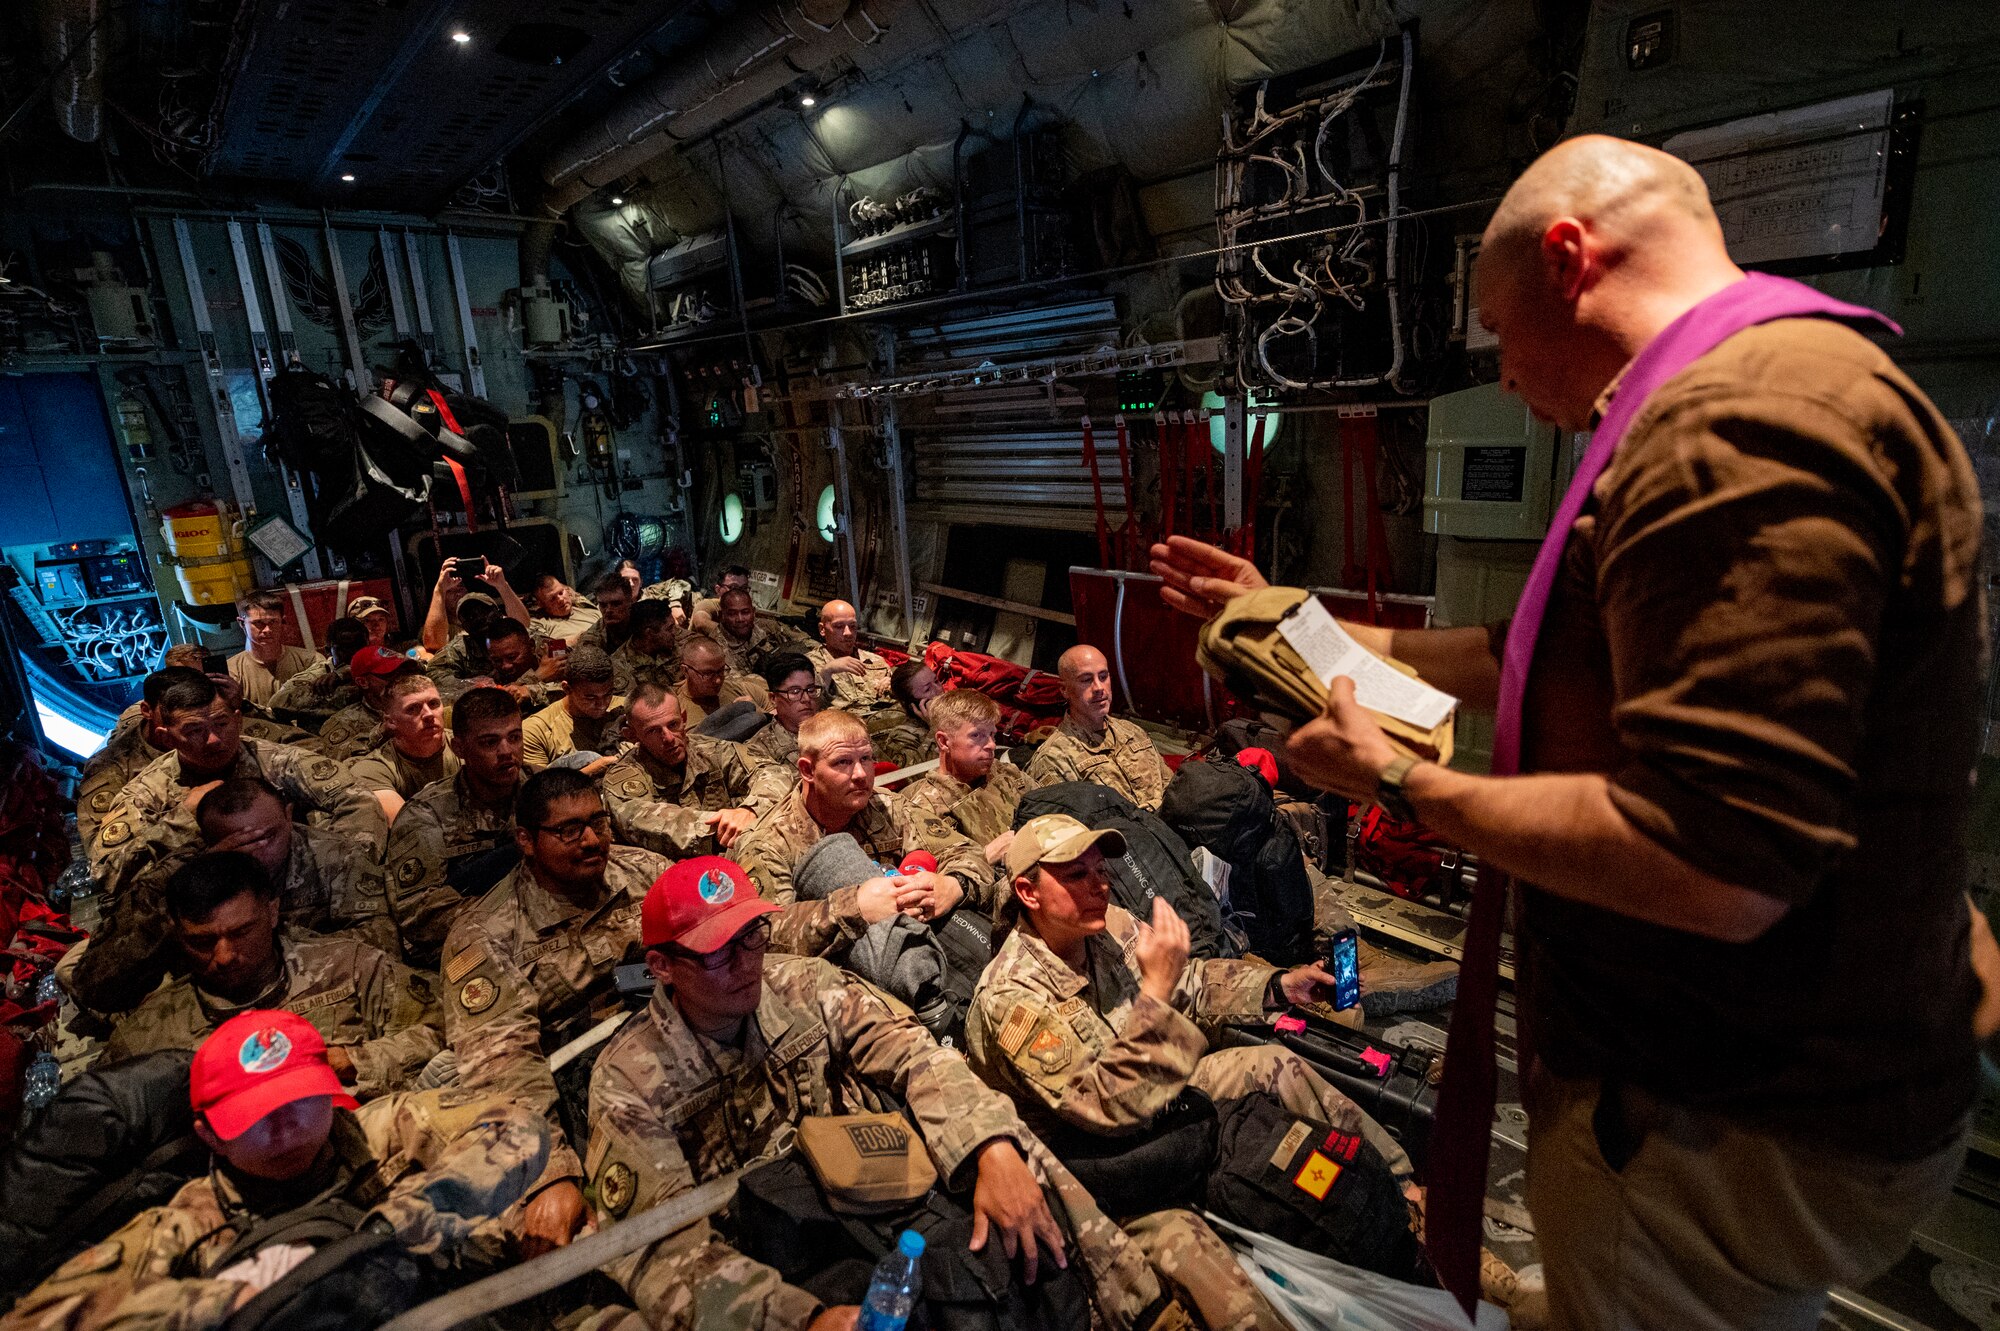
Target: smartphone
469 568
1343 958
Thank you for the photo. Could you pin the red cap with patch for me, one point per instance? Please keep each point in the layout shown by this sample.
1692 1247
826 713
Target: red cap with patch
700 904
379 663
257 1062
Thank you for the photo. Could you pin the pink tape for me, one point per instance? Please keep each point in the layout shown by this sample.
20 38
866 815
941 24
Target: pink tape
1288 1024
1378 1060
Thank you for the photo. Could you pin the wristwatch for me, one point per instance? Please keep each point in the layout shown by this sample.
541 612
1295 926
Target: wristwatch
1389 792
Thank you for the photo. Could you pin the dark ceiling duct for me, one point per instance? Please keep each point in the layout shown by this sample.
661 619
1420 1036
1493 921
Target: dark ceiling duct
76 44
748 58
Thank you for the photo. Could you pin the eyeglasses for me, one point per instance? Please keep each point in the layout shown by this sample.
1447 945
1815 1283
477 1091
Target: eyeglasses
571 832
754 940
796 695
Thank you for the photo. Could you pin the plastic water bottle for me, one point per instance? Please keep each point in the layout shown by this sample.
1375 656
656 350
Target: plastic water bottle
893 1292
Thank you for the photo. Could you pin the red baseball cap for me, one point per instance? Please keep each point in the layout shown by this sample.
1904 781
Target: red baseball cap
1262 762
700 904
257 1062
379 663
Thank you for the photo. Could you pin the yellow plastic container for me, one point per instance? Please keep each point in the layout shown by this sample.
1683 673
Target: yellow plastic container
196 530
216 581
207 545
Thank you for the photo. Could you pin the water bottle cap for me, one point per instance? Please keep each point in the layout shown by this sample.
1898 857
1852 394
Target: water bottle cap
910 1243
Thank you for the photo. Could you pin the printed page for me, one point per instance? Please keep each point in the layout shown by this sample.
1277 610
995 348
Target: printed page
1330 652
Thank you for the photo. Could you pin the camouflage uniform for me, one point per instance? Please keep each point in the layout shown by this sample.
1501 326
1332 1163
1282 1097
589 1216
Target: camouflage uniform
151 819
906 742
455 665
554 731
631 668
392 1155
128 752
441 825
661 808
673 589
774 746
386 767
670 1109
581 619
321 689
260 682
886 831
383 1013
982 813
768 637
1121 757
861 693
1099 1055
735 688
524 970
352 731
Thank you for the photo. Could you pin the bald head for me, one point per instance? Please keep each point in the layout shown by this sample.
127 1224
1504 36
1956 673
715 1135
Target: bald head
1598 246
1086 683
839 628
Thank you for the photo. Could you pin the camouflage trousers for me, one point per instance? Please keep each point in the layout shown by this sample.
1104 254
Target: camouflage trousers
1229 1073
1200 1271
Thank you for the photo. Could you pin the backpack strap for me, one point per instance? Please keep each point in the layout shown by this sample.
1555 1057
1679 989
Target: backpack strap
324 1262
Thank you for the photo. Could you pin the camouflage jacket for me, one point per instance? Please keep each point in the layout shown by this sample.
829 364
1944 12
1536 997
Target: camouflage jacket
774 746
525 970
1095 1052
886 831
327 886
861 693
735 688
905 742
128 752
661 808
981 813
352 731
384 1014
440 827
391 1156
670 1109
553 732
151 820
385 767
631 668
768 637
321 689
1121 757
260 682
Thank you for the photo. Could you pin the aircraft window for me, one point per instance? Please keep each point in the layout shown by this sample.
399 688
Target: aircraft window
731 521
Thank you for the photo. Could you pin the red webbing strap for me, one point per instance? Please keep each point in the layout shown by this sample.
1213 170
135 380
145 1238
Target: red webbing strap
1197 467
444 412
1381 564
1167 451
1097 496
1350 572
464 492
1129 533
1244 539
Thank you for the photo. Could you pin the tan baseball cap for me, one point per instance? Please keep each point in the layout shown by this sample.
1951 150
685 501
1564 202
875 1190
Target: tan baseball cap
1057 838
362 606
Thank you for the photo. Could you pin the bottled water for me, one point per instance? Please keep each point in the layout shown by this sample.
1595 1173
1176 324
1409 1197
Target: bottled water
893 1292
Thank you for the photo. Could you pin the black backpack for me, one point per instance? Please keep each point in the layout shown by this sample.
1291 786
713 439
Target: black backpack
782 1220
960 945
114 1141
1156 862
1228 809
356 1279
1325 1191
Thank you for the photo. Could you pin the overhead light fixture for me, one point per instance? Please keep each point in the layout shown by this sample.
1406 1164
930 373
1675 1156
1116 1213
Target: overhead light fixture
617 202
808 100
347 176
461 36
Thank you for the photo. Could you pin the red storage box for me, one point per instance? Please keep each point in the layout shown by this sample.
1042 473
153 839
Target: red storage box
325 601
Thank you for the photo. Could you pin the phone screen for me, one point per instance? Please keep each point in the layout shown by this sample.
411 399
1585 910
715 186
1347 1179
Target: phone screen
1345 962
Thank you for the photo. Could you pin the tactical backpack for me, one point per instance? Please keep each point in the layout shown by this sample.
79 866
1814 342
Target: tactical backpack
357 1278
1156 861
1228 809
782 1219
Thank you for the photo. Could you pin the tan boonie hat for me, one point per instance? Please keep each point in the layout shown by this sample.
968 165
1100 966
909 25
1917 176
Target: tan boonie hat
1057 838
867 1162
362 606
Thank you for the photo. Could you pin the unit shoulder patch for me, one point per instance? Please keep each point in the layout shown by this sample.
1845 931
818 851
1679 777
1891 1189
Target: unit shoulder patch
477 994
616 1186
1050 1050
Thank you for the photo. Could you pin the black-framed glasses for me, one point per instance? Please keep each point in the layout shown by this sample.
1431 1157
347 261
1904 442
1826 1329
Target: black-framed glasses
799 694
571 833
755 939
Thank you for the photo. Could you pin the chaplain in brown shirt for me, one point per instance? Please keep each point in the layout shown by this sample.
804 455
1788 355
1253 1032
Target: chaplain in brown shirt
1746 748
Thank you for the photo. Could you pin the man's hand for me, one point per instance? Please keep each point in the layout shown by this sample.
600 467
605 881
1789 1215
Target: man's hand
845 665
1344 751
1163 952
230 688
248 840
446 571
341 1062
842 1317
551 668
601 766
728 824
194 796
1006 1197
551 1220
1986 969
938 893
1199 579
1307 984
996 849
879 898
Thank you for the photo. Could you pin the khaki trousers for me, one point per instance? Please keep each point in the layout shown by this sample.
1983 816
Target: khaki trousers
1650 1215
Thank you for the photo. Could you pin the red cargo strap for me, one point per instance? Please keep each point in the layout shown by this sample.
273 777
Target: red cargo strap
1358 437
1167 469
1097 496
1244 542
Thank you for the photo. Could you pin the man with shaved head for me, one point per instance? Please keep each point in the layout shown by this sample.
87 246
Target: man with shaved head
854 678
1093 745
1737 707
708 685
